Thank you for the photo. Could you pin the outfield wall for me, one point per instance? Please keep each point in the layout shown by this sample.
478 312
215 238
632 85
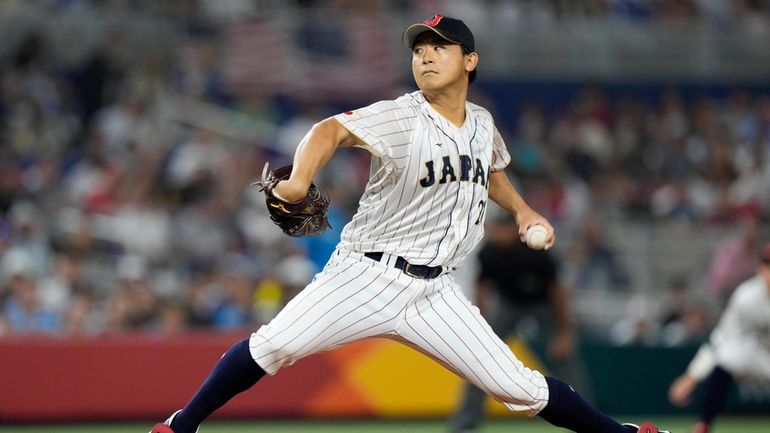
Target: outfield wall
143 377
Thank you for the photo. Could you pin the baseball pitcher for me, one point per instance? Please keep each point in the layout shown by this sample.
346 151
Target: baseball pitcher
437 159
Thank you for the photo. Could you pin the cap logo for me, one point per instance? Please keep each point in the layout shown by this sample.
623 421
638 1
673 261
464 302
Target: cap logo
433 22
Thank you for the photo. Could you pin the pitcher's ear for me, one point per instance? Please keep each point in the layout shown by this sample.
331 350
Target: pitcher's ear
472 61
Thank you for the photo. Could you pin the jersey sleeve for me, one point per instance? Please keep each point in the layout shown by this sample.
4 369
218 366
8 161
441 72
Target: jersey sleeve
500 156
380 125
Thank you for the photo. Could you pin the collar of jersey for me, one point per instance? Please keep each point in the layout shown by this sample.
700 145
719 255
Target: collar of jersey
444 120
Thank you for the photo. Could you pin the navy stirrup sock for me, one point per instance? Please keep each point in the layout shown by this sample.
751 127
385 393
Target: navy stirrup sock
234 373
717 388
567 409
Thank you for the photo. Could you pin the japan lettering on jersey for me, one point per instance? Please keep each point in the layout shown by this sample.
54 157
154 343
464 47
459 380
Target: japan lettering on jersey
428 186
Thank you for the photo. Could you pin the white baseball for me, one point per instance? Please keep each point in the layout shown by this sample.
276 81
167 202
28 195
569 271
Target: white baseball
535 237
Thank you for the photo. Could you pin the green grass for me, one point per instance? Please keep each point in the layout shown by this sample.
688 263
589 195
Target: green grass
725 424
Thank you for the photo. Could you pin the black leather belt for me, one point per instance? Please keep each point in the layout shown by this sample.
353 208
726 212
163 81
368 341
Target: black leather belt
416 271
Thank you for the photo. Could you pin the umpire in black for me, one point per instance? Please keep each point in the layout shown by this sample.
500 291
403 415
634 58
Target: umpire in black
526 285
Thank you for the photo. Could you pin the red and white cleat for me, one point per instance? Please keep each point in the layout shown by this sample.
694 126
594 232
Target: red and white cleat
165 426
162 428
646 427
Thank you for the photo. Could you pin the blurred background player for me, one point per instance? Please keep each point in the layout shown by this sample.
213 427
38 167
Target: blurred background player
519 291
737 350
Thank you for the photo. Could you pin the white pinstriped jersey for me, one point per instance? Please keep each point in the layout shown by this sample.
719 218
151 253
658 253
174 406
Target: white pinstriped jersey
427 191
425 202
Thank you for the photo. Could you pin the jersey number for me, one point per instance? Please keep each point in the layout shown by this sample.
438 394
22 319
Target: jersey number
483 206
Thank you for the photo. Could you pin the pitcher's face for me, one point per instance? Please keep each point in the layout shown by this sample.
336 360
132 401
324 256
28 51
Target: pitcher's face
438 63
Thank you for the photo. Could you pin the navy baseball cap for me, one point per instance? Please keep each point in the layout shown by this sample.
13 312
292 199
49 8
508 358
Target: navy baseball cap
449 28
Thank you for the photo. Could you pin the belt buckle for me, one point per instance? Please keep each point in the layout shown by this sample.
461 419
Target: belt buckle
408 271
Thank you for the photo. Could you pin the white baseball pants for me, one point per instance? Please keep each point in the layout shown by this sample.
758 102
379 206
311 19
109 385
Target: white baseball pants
355 297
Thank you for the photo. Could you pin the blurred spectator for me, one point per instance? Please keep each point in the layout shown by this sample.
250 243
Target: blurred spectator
56 291
121 126
142 225
29 235
21 306
595 260
200 298
685 318
580 135
202 232
84 316
92 181
673 121
528 151
194 164
236 307
172 318
673 202
134 304
639 324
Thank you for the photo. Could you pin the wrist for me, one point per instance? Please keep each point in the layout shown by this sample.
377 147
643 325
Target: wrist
289 191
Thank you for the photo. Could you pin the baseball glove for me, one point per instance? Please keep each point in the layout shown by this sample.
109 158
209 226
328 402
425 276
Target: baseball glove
307 217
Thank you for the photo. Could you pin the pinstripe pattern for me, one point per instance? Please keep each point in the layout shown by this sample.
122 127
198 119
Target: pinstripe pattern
434 225
355 298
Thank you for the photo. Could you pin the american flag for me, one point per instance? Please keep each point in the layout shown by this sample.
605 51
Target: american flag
311 57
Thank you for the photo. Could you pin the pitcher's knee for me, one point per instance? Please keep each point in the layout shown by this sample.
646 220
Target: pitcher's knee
522 394
271 355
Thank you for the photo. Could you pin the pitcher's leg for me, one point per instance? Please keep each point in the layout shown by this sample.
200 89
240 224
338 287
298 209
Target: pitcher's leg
234 373
349 300
447 327
470 412
360 299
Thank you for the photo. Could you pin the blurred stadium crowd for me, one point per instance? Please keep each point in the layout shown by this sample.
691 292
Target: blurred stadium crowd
125 169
